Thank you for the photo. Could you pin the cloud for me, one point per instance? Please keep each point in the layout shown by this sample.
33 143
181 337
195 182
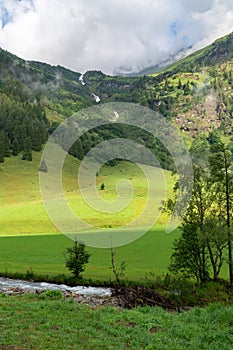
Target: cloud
112 36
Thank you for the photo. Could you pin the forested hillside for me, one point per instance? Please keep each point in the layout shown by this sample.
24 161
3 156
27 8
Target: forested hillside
23 123
196 94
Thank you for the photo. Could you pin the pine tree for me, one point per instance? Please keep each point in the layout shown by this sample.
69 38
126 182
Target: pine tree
15 147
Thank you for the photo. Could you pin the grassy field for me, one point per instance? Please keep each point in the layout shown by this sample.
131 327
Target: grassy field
32 322
44 255
30 241
22 210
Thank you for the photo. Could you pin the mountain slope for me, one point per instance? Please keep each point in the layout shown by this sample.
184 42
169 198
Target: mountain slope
65 92
202 85
51 94
218 52
195 93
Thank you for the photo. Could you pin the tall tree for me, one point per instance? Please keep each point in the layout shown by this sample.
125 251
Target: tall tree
220 163
190 251
204 235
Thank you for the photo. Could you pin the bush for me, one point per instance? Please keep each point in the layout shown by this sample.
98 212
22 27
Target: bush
27 156
52 294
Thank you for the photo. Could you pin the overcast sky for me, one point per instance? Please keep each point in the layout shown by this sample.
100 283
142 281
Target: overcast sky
110 35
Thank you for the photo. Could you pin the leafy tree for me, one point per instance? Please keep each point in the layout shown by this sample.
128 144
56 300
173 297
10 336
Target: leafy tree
220 163
190 251
76 257
189 256
23 125
204 234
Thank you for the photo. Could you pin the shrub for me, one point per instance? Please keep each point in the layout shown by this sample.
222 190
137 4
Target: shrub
102 186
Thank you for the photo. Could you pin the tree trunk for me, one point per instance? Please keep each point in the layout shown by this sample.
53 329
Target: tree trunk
213 263
228 223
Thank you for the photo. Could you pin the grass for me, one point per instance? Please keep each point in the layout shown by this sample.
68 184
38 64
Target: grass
29 240
147 257
32 322
44 255
22 210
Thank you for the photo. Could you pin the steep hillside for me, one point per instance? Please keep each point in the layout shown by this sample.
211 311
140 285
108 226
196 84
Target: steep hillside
35 97
218 52
195 93
61 90
202 85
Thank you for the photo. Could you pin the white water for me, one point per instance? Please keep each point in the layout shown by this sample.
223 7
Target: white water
97 98
81 79
116 116
7 283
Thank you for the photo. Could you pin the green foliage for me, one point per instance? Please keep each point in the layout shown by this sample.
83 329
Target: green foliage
188 256
171 92
23 126
76 150
221 167
111 131
27 156
206 223
52 294
76 257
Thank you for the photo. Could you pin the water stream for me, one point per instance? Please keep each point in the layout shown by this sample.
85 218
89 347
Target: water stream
7 283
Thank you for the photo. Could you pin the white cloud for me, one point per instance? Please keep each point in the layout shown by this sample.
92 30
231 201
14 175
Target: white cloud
96 34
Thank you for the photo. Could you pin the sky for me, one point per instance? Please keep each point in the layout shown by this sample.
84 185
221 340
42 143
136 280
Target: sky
116 36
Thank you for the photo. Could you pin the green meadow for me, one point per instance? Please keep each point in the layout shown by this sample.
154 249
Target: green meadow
44 254
29 240
22 211
40 322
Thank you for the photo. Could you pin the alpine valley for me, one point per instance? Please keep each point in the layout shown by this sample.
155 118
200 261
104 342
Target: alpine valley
195 93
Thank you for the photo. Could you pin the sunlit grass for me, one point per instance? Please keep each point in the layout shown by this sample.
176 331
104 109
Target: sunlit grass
22 213
22 210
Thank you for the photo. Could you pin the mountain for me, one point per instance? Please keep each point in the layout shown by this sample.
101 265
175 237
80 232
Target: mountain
218 52
195 93
35 97
61 90
158 67
206 79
